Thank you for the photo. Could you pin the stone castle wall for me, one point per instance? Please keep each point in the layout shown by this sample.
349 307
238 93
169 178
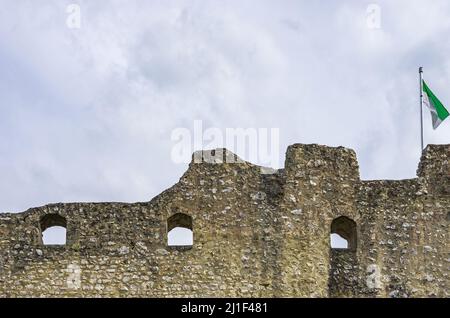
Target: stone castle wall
255 234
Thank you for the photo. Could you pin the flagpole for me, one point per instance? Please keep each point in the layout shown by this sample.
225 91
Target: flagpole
421 103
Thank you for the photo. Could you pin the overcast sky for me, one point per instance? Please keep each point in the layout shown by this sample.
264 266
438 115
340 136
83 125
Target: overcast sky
86 114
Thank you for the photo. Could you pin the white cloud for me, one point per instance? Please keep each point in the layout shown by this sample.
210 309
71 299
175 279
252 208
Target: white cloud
87 114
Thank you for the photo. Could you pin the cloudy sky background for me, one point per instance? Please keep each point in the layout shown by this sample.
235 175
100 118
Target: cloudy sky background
87 114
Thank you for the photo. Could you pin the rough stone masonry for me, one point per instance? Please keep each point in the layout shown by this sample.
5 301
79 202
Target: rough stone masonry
255 234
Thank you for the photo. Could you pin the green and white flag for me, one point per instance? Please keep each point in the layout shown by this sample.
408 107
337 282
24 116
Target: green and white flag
438 111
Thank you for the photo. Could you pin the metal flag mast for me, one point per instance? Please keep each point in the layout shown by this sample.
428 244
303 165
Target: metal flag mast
421 103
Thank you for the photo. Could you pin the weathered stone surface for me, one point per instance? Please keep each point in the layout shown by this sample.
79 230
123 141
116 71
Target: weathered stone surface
256 234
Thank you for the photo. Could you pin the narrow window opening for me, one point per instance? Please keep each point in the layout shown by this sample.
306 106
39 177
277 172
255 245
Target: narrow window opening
55 235
342 277
343 233
179 230
53 229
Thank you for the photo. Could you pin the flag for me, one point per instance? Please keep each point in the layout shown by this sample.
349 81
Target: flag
438 111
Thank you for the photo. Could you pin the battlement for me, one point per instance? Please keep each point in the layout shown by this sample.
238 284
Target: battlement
258 232
435 167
